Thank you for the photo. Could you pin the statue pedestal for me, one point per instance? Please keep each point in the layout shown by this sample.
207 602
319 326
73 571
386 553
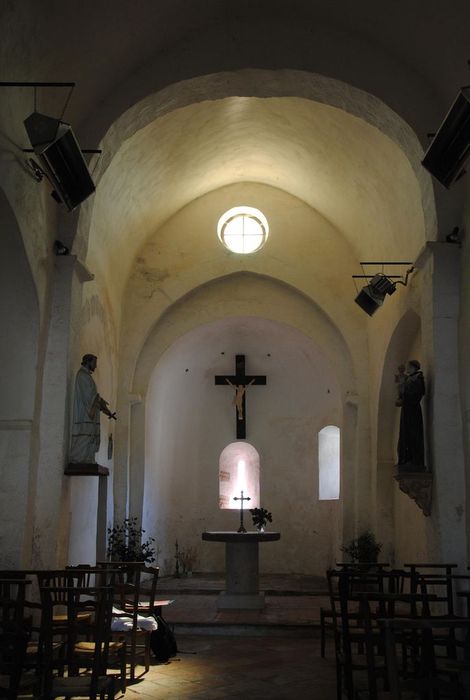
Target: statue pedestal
241 568
93 469
418 486
85 469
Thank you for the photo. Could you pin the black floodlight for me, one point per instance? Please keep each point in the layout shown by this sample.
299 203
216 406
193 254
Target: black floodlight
372 296
60 158
448 152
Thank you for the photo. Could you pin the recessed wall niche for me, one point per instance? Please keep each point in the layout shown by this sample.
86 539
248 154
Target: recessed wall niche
239 469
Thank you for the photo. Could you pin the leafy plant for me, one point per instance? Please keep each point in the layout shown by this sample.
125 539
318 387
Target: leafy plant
363 549
125 543
260 516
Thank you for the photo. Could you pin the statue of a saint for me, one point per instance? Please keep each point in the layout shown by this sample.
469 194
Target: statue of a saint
87 405
411 440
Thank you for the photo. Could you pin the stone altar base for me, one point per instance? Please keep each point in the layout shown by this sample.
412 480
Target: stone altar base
241 568
240 601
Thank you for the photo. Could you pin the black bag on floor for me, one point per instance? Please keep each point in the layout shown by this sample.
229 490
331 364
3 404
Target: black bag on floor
162 641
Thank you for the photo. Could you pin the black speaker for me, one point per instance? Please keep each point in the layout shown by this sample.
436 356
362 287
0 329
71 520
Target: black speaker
446 156
60 158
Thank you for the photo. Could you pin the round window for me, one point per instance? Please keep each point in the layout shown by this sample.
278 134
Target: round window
243 229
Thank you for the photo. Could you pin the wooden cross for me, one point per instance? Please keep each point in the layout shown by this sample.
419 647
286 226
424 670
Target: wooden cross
241 498
239 382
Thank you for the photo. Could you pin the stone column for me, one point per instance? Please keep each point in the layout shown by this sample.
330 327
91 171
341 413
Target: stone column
440 266
136 457
49 494
349 460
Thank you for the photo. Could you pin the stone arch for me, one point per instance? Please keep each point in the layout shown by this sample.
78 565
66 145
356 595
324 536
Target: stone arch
19 320
262 84
253 295
183 443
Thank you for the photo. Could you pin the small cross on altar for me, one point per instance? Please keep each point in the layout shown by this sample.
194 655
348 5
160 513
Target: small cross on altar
240 382
241 498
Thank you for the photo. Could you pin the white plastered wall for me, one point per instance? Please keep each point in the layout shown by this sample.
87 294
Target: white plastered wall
189 421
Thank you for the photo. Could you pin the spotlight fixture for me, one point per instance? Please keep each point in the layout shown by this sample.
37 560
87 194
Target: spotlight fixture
372 296
449 150
60 159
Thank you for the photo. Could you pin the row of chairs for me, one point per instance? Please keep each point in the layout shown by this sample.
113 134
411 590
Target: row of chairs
68 625
377 612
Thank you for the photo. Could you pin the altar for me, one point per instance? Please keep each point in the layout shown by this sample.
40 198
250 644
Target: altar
241 568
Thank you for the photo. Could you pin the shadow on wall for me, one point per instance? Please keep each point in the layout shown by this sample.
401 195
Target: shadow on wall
19 321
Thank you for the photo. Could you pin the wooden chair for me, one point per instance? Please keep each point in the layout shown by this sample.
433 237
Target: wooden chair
147 591
12 655
12 600
438 580
85 649
88 614
426 680
385 592
348 632
128 599
14 638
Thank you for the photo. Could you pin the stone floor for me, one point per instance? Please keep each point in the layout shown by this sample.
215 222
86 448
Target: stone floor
261 668
292 606
271 654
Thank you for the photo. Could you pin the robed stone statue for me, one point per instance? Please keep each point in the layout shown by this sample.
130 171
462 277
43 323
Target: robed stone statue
411 390
87 405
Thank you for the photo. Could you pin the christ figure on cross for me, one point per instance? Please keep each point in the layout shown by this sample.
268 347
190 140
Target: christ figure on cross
237 400
239 383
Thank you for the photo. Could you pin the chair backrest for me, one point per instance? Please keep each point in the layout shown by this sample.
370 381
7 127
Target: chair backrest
420 633
97 576
85 612
149 580
438 579
12 600
61 578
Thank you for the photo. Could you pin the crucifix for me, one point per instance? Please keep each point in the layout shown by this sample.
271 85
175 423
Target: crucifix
241 498
240 382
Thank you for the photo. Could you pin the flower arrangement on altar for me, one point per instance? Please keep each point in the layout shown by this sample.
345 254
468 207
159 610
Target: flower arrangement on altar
261 517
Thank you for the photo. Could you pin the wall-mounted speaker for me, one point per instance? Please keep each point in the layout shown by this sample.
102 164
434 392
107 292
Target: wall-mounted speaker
60 158
448 152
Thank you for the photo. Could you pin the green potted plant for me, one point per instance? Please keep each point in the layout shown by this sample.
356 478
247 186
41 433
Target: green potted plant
364 549
260 517
125 543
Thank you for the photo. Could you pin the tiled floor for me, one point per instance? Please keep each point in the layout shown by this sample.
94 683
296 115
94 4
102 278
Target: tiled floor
263 668
265 655
291 601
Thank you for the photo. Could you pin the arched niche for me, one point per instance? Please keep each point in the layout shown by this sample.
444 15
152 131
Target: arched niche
239 470
189 420
405 341
396 514
19 321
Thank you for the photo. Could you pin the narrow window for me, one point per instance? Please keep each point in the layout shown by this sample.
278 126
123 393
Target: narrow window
238 471
328 463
